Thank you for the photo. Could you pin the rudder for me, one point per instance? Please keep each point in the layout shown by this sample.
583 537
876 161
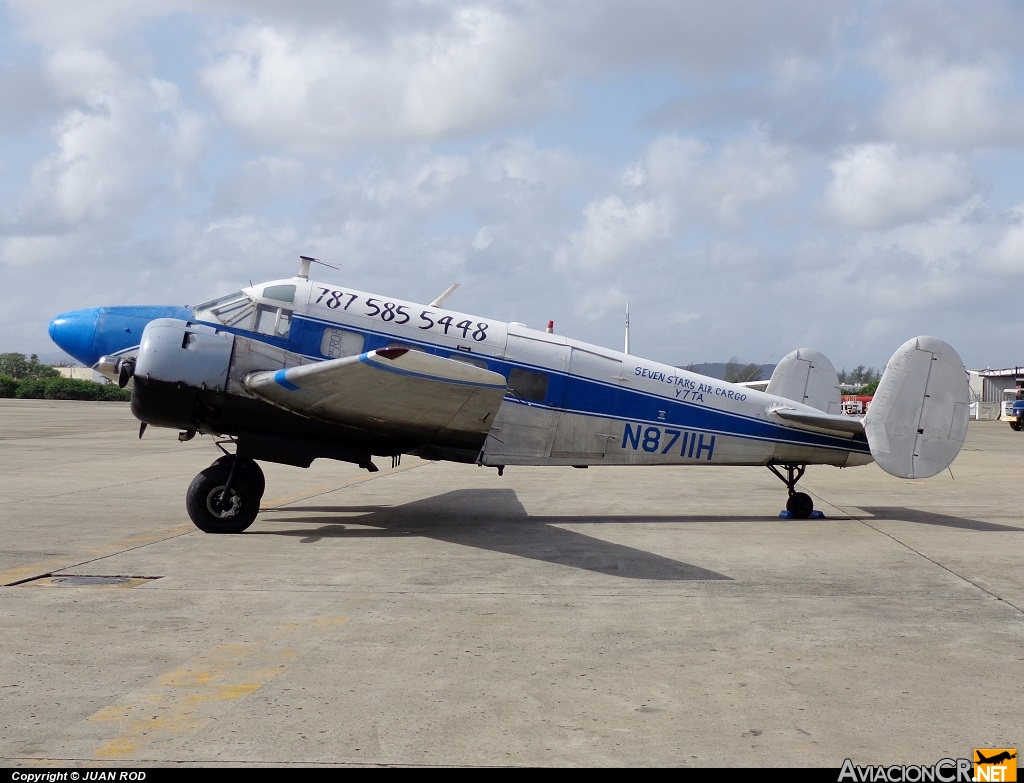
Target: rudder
917 420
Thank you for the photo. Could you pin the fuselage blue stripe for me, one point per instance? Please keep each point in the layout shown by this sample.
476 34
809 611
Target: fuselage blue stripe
575 394
786 436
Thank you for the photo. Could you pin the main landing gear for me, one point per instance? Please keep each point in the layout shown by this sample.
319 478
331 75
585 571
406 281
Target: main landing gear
799 504
225 498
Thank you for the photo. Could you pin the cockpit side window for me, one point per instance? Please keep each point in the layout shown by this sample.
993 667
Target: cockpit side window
273 321
235 310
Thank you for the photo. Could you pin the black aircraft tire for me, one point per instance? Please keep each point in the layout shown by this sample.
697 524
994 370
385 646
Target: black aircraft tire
203 498
800 505
251 470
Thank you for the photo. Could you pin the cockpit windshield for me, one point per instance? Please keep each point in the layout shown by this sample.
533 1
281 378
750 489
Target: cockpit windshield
236 310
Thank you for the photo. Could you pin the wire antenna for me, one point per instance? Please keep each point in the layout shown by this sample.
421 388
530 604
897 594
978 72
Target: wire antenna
305 261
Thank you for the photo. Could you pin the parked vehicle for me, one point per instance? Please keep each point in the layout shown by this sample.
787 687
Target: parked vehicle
856 404
1017 417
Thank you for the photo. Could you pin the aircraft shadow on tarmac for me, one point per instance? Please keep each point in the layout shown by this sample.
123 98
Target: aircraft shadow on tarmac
904 514
495 520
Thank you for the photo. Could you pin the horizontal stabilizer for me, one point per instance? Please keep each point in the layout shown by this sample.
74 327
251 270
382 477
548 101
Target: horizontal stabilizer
917 420
834 423
807 377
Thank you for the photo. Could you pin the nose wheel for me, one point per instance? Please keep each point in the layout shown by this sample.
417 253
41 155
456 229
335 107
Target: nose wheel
799 504
225 497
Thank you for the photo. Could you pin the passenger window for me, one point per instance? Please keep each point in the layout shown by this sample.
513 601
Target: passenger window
340 342
527 384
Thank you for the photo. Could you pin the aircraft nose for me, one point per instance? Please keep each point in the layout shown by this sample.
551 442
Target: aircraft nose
74 332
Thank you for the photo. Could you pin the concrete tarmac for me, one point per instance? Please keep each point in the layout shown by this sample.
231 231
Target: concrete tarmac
441 615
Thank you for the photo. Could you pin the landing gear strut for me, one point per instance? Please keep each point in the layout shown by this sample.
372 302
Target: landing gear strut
799 504
225 498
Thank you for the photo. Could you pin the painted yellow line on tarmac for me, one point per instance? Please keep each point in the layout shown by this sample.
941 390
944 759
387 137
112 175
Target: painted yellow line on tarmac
14 575
43 567
284 500
179 703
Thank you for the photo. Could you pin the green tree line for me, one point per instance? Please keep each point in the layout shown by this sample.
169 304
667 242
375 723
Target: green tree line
23 377
868 377
864 379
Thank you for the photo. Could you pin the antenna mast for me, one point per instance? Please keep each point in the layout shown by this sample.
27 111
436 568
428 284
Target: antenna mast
447 292
626 350
305 261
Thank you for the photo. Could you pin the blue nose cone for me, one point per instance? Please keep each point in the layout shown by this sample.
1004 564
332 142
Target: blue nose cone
104 331
74 333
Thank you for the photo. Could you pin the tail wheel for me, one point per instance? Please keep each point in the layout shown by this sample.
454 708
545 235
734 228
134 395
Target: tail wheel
800 505
215 508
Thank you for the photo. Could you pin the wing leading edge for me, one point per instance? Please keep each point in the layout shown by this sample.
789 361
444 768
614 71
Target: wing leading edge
393 391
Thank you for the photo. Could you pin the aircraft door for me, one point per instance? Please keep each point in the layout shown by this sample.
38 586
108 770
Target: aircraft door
591 392
524 427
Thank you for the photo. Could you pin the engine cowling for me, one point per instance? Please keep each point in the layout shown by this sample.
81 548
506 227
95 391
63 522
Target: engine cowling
181 373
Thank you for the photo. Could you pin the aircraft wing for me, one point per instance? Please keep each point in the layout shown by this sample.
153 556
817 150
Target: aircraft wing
819 421
395 391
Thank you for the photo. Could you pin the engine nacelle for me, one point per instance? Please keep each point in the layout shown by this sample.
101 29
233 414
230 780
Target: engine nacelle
181 373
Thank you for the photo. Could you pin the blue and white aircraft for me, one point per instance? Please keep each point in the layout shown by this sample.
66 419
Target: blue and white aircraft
292 370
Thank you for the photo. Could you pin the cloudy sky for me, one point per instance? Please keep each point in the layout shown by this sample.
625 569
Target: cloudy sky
749 176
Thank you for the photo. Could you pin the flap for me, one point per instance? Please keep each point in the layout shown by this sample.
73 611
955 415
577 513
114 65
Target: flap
394 391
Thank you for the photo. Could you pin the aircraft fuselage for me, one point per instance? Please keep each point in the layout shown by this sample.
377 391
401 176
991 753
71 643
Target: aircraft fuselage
568 402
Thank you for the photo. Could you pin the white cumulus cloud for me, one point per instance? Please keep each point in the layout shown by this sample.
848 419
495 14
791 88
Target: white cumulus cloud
119 135
1008 254
613 231
717 185
953 104
878 186
323 91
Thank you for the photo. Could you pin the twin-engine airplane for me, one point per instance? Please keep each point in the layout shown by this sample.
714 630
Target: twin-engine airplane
292 370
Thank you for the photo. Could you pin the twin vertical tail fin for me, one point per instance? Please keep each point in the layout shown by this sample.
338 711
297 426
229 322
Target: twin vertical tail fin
917 421
808 377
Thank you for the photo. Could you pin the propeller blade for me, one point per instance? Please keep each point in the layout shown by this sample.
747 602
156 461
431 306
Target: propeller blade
125 371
